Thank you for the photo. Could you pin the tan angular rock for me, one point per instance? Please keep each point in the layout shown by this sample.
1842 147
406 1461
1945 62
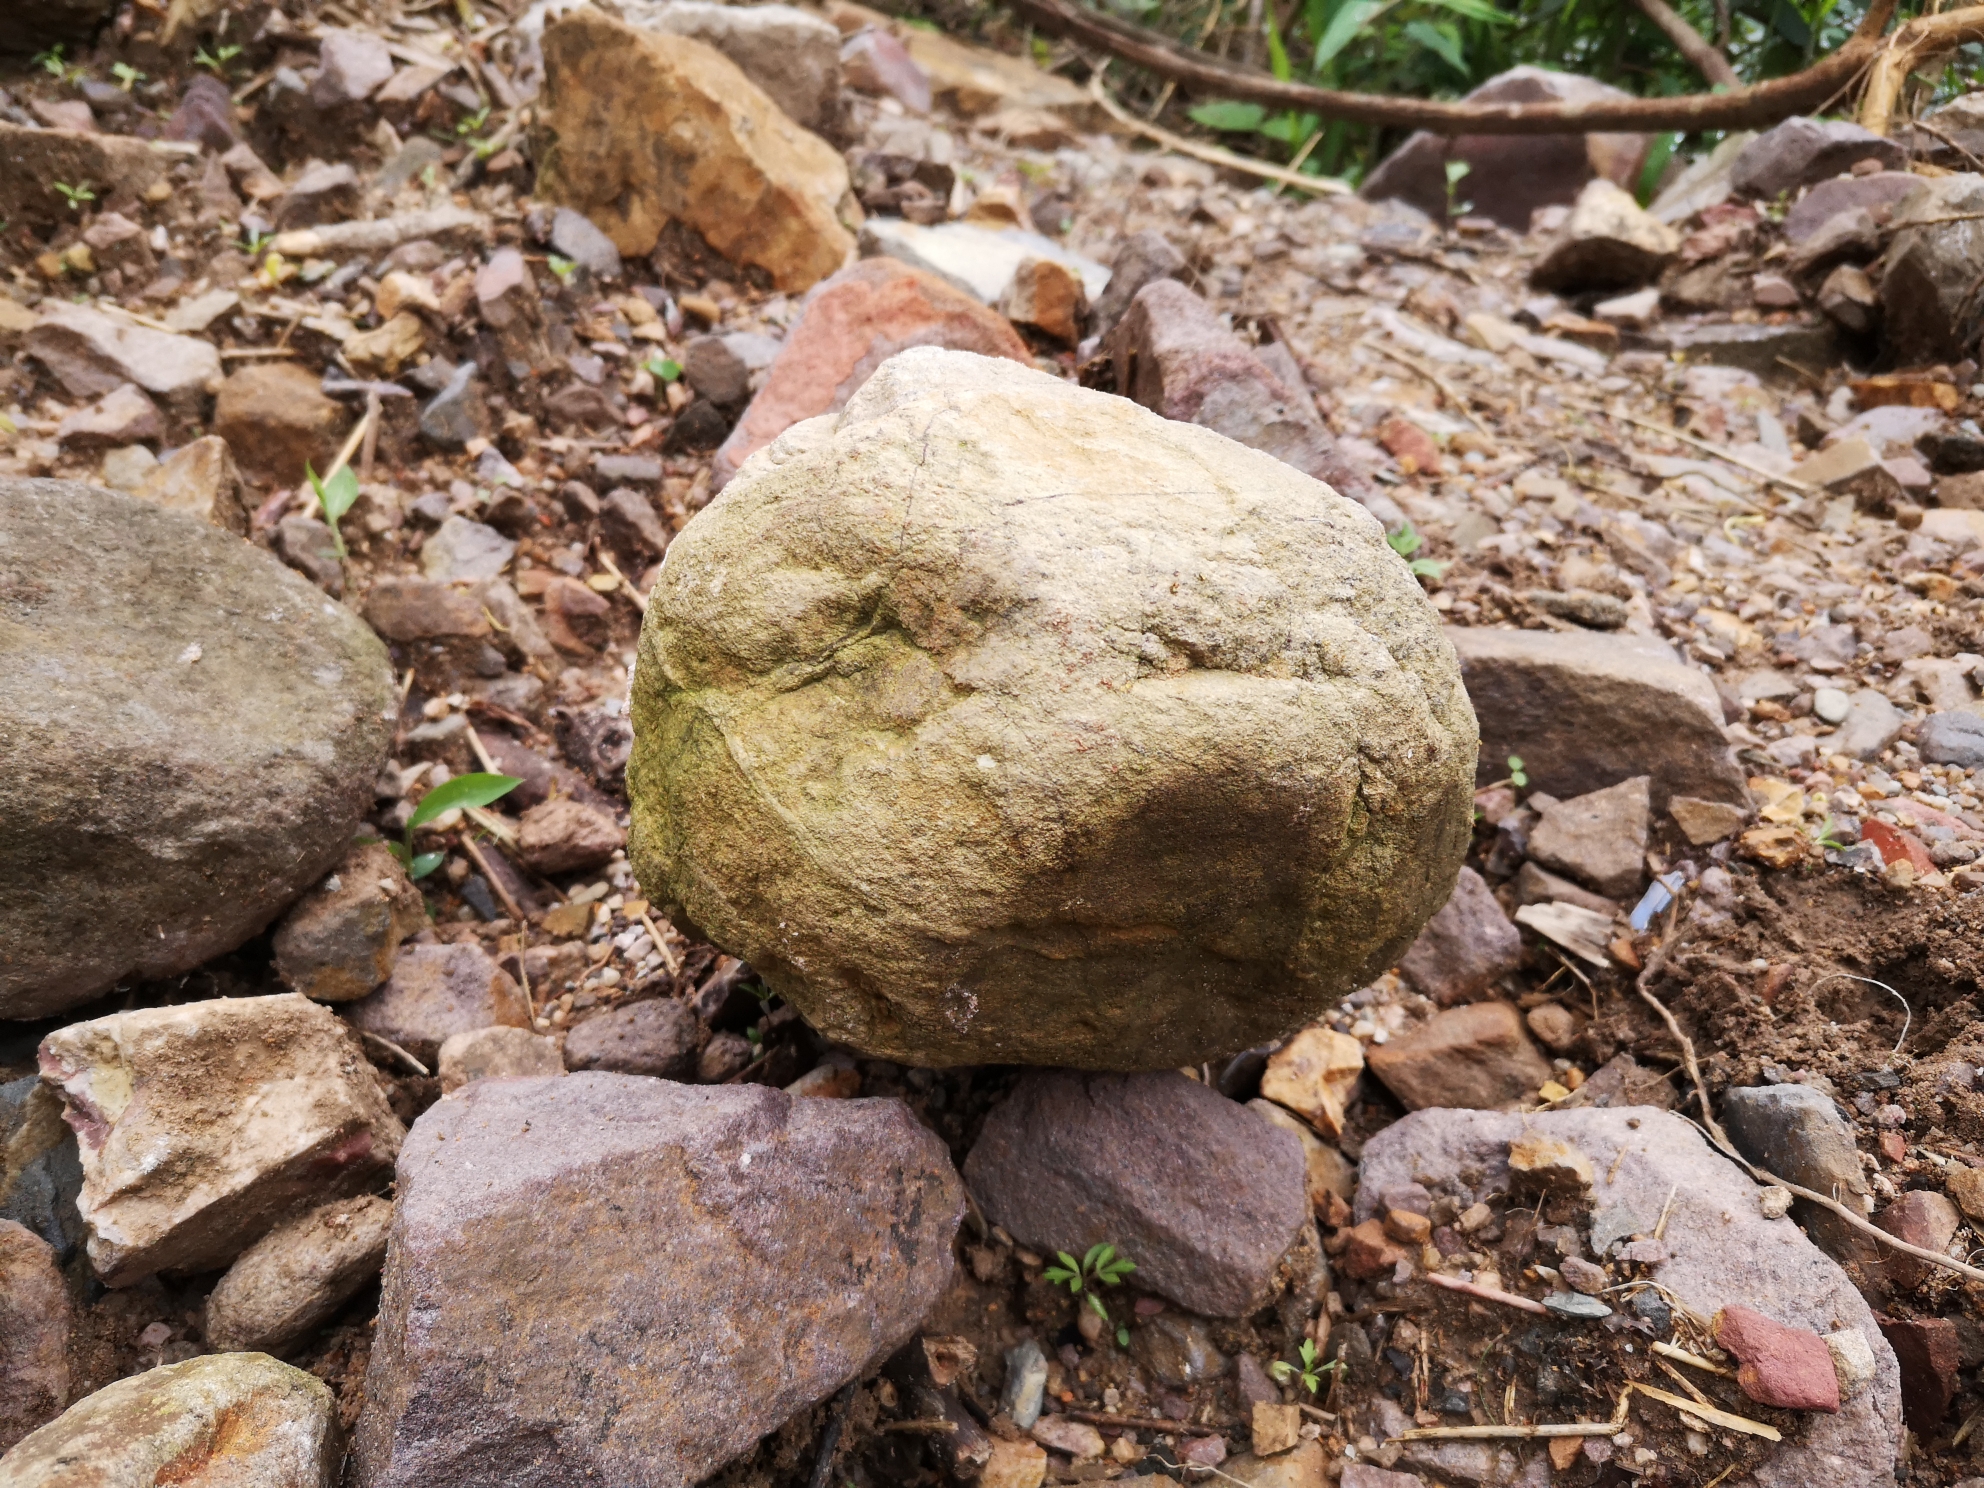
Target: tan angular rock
1312 1075
221 1421
1277 1428
438 990
1549 1164
1599 837
564 836
496 1053
650 129
276 418
389 347
1610 242
1047 297
1330 1172
338 941
201 480
266 1105
297 1275
1301 1468
1048 816
1014 1464
34 1334
1476 1057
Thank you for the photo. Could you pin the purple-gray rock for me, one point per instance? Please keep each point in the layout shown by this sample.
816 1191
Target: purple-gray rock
660 1037
435 992
1464 948
1144 258
1802 152
609 1279
1798 1133
1953 738
1721 1251
1877 194
191 734
1200 1192
1929 312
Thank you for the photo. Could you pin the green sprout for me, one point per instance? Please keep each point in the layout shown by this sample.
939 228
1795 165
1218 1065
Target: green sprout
665 368
1517 777
1457 171
126 75
253 242
216 61
473 123
51 61
1405 542
1309 1371
463 791
1100 1267
1824 837
75 196
336 497
564 268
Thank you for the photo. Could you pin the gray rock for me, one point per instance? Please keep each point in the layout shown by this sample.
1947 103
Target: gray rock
40 1173
306 545
338 941
225 1418
456 414
714 369
793 54
659 1037
1026 1383
1803 152
1466 947
628 522
1760 348
436 991
627 1280
1145 257
1952 738
463 552
1872 724
1599 837
1478 1056
1928 313
191 734
297 1275
323 193
1202 1194
1587 711
574 235
1798 1134
352 65
1877 194
1721 1250
35 1321
92 354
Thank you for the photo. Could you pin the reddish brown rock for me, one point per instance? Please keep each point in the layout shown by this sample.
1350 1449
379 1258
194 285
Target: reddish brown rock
34 1334
1466 947
1477 1057
1922 1218
338 941
564 836
1780 1365
200 479
403 608
603 1278
1369 1250
276 418
1047 297
659 1037
438 990
575 617
496 1054
1929 1355
853 323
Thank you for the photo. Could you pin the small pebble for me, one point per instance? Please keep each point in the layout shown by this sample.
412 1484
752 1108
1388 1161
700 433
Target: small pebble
1775 1202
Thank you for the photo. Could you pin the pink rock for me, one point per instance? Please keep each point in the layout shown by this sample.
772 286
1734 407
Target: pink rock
853 323
1919 1217
1363 1475
873 61
1206 1451
1781 1365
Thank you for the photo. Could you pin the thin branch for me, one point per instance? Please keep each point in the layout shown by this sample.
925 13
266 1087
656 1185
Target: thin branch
1701 53
1742 108
1211 154
1911 46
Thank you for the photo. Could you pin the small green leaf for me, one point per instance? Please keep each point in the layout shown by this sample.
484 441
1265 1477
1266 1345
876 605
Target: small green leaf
335 496
1232 117
1404 542
1442 41
1095 1306
1516 772
564 268
1281 1369
424 864
1429 568
1122 1337
1343 29
1457 171
666 368
399 851
464 790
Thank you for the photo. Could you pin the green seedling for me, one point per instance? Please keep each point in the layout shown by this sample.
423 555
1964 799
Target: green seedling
1825 838
463 791
75 196
1405 542
667 369
1457 171
564 268
127 75
1310 1371
336 497
1100 1267
1517 776
216 61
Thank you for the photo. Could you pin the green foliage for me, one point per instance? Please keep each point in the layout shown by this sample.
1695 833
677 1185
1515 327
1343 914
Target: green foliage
75 196
665 368
463 791
216 61
1310 1371
126 75
1405 542
564 268
335 496
1456 172
1516 775
1101 1266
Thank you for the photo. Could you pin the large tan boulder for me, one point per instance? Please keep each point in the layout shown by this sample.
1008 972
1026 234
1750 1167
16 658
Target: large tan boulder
648 129
997 720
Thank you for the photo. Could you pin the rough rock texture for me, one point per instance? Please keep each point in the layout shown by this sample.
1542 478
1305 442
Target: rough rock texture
1797 1133
962 801
1510 176
792 54
1802 152
1171 353
221 1421
652 128
853 323
1721 1249
33 27
436 991
338 941
1928 313
298 1274
1478 1056
1313 1074
1599 837
266 1105
1201 1193
32 158
1587 711
496 1053
34 1334
1781 1365
276 419
607 1278
191 734
200 480
40 1174
91 353
1466 947
658 1037
1609 243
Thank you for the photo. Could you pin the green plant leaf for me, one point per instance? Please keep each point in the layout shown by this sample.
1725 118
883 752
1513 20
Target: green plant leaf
666 368
1095 1306
1443 42
1404 542
424 864
562 267
1428 568
1277 53
1122 1337
1476 10
464 790
336 497
1233 118
1343 29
